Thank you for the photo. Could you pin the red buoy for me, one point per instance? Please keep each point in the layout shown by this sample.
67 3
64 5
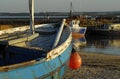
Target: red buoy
75 61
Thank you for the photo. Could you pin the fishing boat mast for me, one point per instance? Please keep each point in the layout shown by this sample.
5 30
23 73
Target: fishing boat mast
70 15
31 10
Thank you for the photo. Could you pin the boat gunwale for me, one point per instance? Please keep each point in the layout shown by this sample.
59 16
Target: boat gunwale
19 29
62 47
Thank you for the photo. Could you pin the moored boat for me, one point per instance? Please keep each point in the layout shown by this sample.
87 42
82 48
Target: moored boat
105 30
76 29
35 52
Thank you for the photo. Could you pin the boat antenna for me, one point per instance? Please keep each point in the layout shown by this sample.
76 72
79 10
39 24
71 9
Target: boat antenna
70 15
31 10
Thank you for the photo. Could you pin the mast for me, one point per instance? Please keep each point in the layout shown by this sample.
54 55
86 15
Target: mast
31 10
70 15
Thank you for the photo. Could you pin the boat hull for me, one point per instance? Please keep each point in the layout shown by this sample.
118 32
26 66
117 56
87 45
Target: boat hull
46 69
78 31
104 32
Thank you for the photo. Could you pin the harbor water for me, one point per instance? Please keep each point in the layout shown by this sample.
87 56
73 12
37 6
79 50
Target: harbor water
99 44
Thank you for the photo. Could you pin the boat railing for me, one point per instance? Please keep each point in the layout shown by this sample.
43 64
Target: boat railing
13 30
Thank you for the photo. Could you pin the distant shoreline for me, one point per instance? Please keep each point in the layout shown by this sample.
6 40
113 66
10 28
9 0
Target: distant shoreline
107 13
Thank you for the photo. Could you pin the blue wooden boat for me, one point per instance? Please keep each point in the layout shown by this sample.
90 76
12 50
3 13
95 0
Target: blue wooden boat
35 52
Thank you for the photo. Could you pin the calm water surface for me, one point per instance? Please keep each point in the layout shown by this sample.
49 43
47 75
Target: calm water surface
106 45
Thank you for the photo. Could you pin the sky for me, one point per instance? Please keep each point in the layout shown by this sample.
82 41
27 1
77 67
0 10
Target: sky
16 6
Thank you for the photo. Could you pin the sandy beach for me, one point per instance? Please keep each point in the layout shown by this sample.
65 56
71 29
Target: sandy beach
96 66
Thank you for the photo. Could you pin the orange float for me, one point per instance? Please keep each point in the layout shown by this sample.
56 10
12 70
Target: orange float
75 61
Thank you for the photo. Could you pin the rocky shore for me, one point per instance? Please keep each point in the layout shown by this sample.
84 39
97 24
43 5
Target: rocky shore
96 66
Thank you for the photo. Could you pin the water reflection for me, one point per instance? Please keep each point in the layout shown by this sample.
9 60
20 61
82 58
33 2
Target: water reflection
98 44
79 43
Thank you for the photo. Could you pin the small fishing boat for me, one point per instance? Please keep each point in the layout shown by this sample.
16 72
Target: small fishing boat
74 24
35 52
76 29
